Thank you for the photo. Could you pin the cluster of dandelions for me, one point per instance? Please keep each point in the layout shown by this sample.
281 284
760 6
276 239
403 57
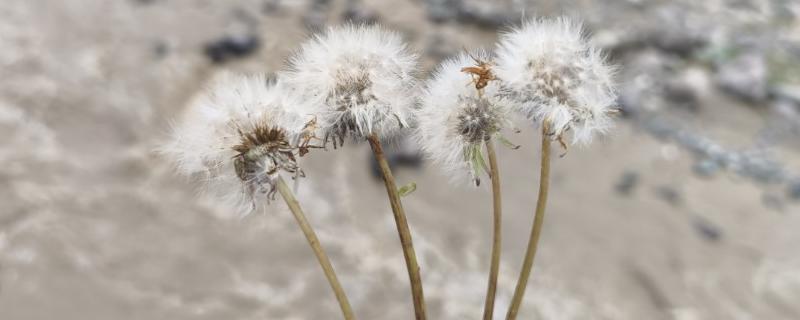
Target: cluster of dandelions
360 82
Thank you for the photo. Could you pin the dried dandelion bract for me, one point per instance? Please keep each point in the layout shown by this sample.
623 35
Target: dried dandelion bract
455 118
232 136
358 80
553 74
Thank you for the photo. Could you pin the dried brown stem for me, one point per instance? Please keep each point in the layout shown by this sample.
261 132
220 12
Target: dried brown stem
536 231
494 269
402 228
327 268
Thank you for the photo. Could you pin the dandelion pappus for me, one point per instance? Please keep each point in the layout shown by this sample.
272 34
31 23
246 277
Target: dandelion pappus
263 152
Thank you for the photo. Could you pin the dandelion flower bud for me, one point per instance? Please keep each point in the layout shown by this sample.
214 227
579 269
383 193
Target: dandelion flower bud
553 74
359 80
231 136
455 118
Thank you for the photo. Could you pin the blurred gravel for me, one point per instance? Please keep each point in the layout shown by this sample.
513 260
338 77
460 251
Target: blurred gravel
688 210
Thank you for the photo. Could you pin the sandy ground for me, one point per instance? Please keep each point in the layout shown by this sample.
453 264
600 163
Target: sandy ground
95 225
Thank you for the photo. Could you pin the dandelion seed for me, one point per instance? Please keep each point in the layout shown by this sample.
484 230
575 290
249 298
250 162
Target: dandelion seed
553 74
233 136
456 118
358 80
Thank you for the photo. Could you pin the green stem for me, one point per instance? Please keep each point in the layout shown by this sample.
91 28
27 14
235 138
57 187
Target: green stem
402 228
294 207
494 269
536 231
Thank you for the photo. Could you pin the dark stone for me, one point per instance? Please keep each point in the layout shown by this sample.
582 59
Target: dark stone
682 94
411 160
160 49
706 229
401 153
681 44
231 47
627 182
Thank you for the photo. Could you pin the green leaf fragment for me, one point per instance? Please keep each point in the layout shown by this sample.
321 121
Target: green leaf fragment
407 189
481 162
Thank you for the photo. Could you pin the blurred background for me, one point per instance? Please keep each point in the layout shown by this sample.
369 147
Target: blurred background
689 209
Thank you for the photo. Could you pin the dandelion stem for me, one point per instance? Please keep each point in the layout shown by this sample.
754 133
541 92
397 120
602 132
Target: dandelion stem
536 231
402 228
294 206
494 269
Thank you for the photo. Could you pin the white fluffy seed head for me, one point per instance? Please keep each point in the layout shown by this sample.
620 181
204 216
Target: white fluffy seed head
358 80
551 72
232 137
454 120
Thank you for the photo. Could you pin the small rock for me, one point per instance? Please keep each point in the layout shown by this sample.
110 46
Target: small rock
679 43
271 7
160 49
706 168
794 190
681 94
745 76
411 160
643 82
688 87
231 47
627 182
707 230
669 194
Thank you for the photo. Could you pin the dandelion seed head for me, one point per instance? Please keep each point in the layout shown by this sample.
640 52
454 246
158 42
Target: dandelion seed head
232 137
358 79
477 120
551 72
454 119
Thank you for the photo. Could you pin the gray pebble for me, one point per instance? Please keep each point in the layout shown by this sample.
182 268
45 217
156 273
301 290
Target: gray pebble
794 190
627 182
706 229
706 168
669 194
